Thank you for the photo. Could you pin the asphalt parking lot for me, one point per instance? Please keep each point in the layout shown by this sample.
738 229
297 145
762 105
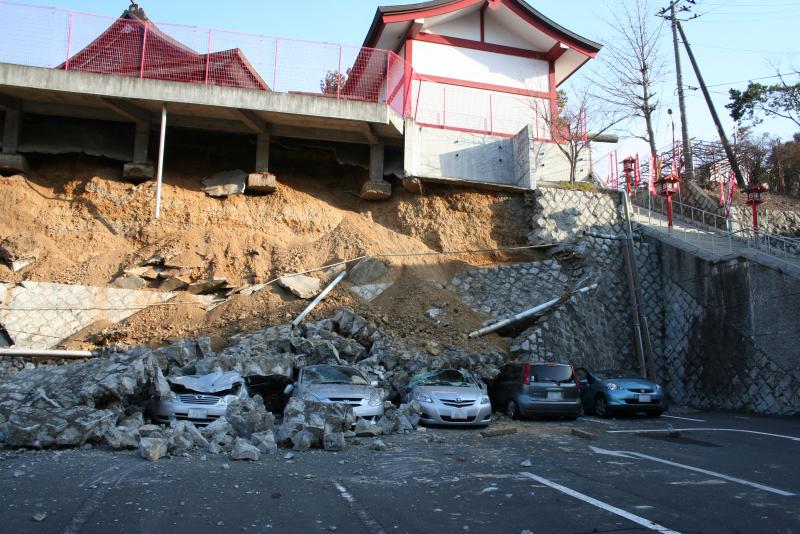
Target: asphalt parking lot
690 472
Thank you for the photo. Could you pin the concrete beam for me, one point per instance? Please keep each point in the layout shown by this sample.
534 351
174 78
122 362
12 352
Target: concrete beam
370 134
126 110
255 123
123 87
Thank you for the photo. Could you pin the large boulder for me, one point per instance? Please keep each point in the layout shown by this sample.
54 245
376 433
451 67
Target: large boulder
121 379
307 423
244 450
248 416
48 426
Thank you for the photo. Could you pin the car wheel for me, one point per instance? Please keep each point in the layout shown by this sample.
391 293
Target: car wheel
512 410
654 414
601 406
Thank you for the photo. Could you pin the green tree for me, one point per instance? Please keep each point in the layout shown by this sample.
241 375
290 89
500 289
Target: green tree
778 100
333 82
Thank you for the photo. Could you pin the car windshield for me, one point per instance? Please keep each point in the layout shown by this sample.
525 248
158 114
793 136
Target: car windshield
608 374
447 377
551 373
331 374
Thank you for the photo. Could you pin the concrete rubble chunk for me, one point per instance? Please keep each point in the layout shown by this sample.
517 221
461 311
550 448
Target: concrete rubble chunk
378 445
265 442
70 400
366 271
248 416
173 283
369 292
205 287
244 450
129 282
41 426
153 448
19 251
225 183
365 428
122 437
334 441
375 190
305 287
135 420
262 182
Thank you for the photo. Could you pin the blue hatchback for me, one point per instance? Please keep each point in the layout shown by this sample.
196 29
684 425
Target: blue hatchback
619 391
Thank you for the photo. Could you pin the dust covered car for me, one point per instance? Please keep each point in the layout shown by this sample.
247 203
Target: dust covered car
611 391
450 397
201 399
340 384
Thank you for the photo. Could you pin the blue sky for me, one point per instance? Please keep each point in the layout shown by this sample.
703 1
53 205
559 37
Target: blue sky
734 40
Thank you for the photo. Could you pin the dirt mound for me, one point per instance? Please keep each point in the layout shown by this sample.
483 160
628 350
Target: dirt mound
89 227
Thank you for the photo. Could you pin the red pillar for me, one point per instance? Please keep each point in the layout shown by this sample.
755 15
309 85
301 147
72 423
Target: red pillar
755 216
669 211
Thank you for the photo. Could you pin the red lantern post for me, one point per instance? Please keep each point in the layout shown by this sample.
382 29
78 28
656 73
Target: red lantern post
667 187
753 192
629 168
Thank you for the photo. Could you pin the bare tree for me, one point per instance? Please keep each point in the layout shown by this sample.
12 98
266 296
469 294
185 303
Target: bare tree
631 65
579 120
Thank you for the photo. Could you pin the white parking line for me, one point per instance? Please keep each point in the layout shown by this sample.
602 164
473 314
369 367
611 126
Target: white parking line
367 520
637 455
663 430
600 504
684 418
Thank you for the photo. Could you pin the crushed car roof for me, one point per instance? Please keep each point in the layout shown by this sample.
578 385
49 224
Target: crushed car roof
209 383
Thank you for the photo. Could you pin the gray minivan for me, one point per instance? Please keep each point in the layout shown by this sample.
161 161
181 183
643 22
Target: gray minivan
537 389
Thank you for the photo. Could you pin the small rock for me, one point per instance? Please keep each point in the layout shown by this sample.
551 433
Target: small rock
39 516
244 450
379 445
526 463
153 448
288 456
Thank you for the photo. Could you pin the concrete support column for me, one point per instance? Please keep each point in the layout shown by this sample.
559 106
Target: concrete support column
10 161
262 181
376 188
262 151
140 169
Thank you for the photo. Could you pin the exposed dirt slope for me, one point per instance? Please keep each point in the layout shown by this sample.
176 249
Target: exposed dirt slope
89 226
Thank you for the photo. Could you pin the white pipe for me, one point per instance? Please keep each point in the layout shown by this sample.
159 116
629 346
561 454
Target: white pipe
319 298
55 353
160 171
527 313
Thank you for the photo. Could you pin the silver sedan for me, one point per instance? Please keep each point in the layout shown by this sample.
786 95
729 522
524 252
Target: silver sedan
200 399
340 384
450 397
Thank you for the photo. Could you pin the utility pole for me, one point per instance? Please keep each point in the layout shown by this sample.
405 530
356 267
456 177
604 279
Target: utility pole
687 149
722 137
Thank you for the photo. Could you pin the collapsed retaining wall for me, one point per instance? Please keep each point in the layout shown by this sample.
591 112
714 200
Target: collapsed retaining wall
723 334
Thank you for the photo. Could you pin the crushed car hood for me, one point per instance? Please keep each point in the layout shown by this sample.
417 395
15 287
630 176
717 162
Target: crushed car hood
210 383
339 390
465 392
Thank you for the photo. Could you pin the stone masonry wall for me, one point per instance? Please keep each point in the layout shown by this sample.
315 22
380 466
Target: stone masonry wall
722 333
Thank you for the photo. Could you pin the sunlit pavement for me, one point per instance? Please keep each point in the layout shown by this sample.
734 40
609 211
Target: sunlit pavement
690 472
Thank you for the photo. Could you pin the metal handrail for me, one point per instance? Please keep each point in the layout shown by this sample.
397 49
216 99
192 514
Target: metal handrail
694 235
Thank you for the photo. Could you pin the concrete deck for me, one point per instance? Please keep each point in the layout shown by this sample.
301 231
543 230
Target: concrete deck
119 98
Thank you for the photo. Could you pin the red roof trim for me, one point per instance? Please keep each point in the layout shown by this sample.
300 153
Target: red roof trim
430 12
511 4
485 86
477 45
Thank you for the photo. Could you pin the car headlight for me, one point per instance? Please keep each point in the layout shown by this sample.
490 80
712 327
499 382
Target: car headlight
485 400
611 386
374 398
421 396
174 397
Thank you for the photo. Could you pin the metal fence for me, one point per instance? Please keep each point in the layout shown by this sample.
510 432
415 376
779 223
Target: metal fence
137 47
56 38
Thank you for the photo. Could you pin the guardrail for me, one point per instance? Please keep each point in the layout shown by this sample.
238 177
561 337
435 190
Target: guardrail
699 227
